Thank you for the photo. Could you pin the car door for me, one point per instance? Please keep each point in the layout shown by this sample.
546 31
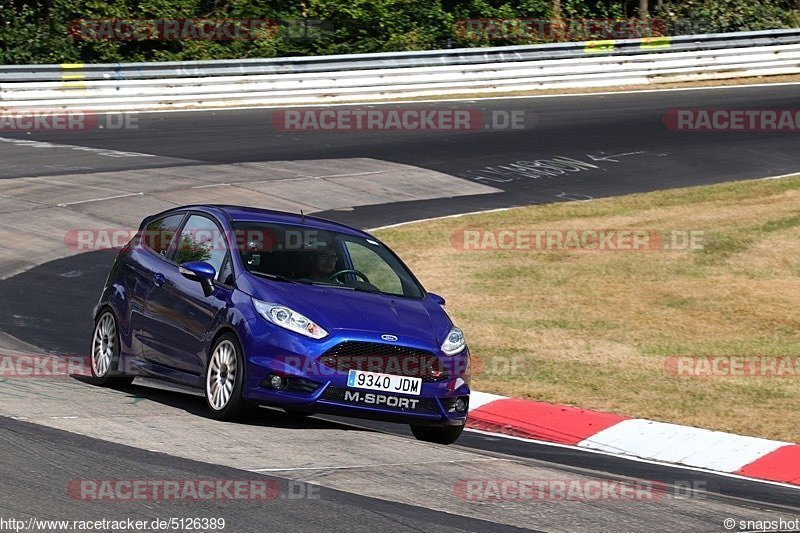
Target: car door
178 314
146 258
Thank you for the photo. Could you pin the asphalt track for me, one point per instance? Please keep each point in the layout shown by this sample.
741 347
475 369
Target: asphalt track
39 490
48 306
575 127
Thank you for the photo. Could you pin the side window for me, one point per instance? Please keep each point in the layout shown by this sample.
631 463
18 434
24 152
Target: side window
225 275
159 233
201 240
370 263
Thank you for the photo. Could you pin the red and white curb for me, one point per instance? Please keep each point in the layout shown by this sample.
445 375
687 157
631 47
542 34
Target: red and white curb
634 437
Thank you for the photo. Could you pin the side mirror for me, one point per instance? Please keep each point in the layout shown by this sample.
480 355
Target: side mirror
436 298
201 272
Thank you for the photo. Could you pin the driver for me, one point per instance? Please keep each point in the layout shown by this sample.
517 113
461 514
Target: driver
322 264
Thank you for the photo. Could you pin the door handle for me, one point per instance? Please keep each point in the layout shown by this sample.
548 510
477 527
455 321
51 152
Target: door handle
159 279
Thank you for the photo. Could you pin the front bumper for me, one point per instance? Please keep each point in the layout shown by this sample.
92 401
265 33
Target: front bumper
314 387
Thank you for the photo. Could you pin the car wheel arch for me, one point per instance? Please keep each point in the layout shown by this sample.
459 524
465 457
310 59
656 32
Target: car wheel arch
102 309
222 330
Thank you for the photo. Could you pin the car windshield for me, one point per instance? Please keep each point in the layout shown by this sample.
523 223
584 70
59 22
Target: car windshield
320 257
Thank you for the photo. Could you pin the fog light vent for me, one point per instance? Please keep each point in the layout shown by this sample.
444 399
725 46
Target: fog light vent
462 404
276 382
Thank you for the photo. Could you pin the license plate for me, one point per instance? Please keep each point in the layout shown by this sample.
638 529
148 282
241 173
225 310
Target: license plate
360 379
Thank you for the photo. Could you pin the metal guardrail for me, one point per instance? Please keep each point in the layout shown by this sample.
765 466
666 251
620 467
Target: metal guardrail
168 85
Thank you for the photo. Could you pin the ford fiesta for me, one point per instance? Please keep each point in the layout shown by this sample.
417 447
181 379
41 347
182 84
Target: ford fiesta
260 307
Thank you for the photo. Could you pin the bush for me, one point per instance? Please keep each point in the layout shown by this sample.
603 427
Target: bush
38 31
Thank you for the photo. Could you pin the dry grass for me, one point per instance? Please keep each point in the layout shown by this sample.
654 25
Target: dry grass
592 328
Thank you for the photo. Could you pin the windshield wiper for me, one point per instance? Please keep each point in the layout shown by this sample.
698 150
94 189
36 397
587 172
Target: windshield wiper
333 285
348 287
276 277
371 291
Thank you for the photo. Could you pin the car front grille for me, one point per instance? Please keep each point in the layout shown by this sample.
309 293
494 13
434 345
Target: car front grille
385 358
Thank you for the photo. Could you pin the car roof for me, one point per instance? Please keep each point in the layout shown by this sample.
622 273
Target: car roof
237 213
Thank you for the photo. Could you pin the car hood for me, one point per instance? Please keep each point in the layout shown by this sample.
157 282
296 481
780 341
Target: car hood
343 309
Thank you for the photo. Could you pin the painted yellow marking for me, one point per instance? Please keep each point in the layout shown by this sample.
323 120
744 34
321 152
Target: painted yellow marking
649 43
593 47
70 79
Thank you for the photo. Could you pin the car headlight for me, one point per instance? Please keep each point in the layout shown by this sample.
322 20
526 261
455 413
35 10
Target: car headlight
282 316
454 342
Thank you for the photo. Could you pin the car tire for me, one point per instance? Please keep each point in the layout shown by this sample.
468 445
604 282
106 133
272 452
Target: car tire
437 434
105 352
224 380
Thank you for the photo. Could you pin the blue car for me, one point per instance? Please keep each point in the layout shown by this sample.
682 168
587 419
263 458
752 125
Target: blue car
258 307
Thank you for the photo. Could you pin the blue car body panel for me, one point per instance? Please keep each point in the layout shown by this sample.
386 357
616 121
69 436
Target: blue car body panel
168 326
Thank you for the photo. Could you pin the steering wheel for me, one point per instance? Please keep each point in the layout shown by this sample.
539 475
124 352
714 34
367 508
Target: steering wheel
349 271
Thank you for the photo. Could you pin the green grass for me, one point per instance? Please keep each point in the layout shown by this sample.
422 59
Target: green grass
593 329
